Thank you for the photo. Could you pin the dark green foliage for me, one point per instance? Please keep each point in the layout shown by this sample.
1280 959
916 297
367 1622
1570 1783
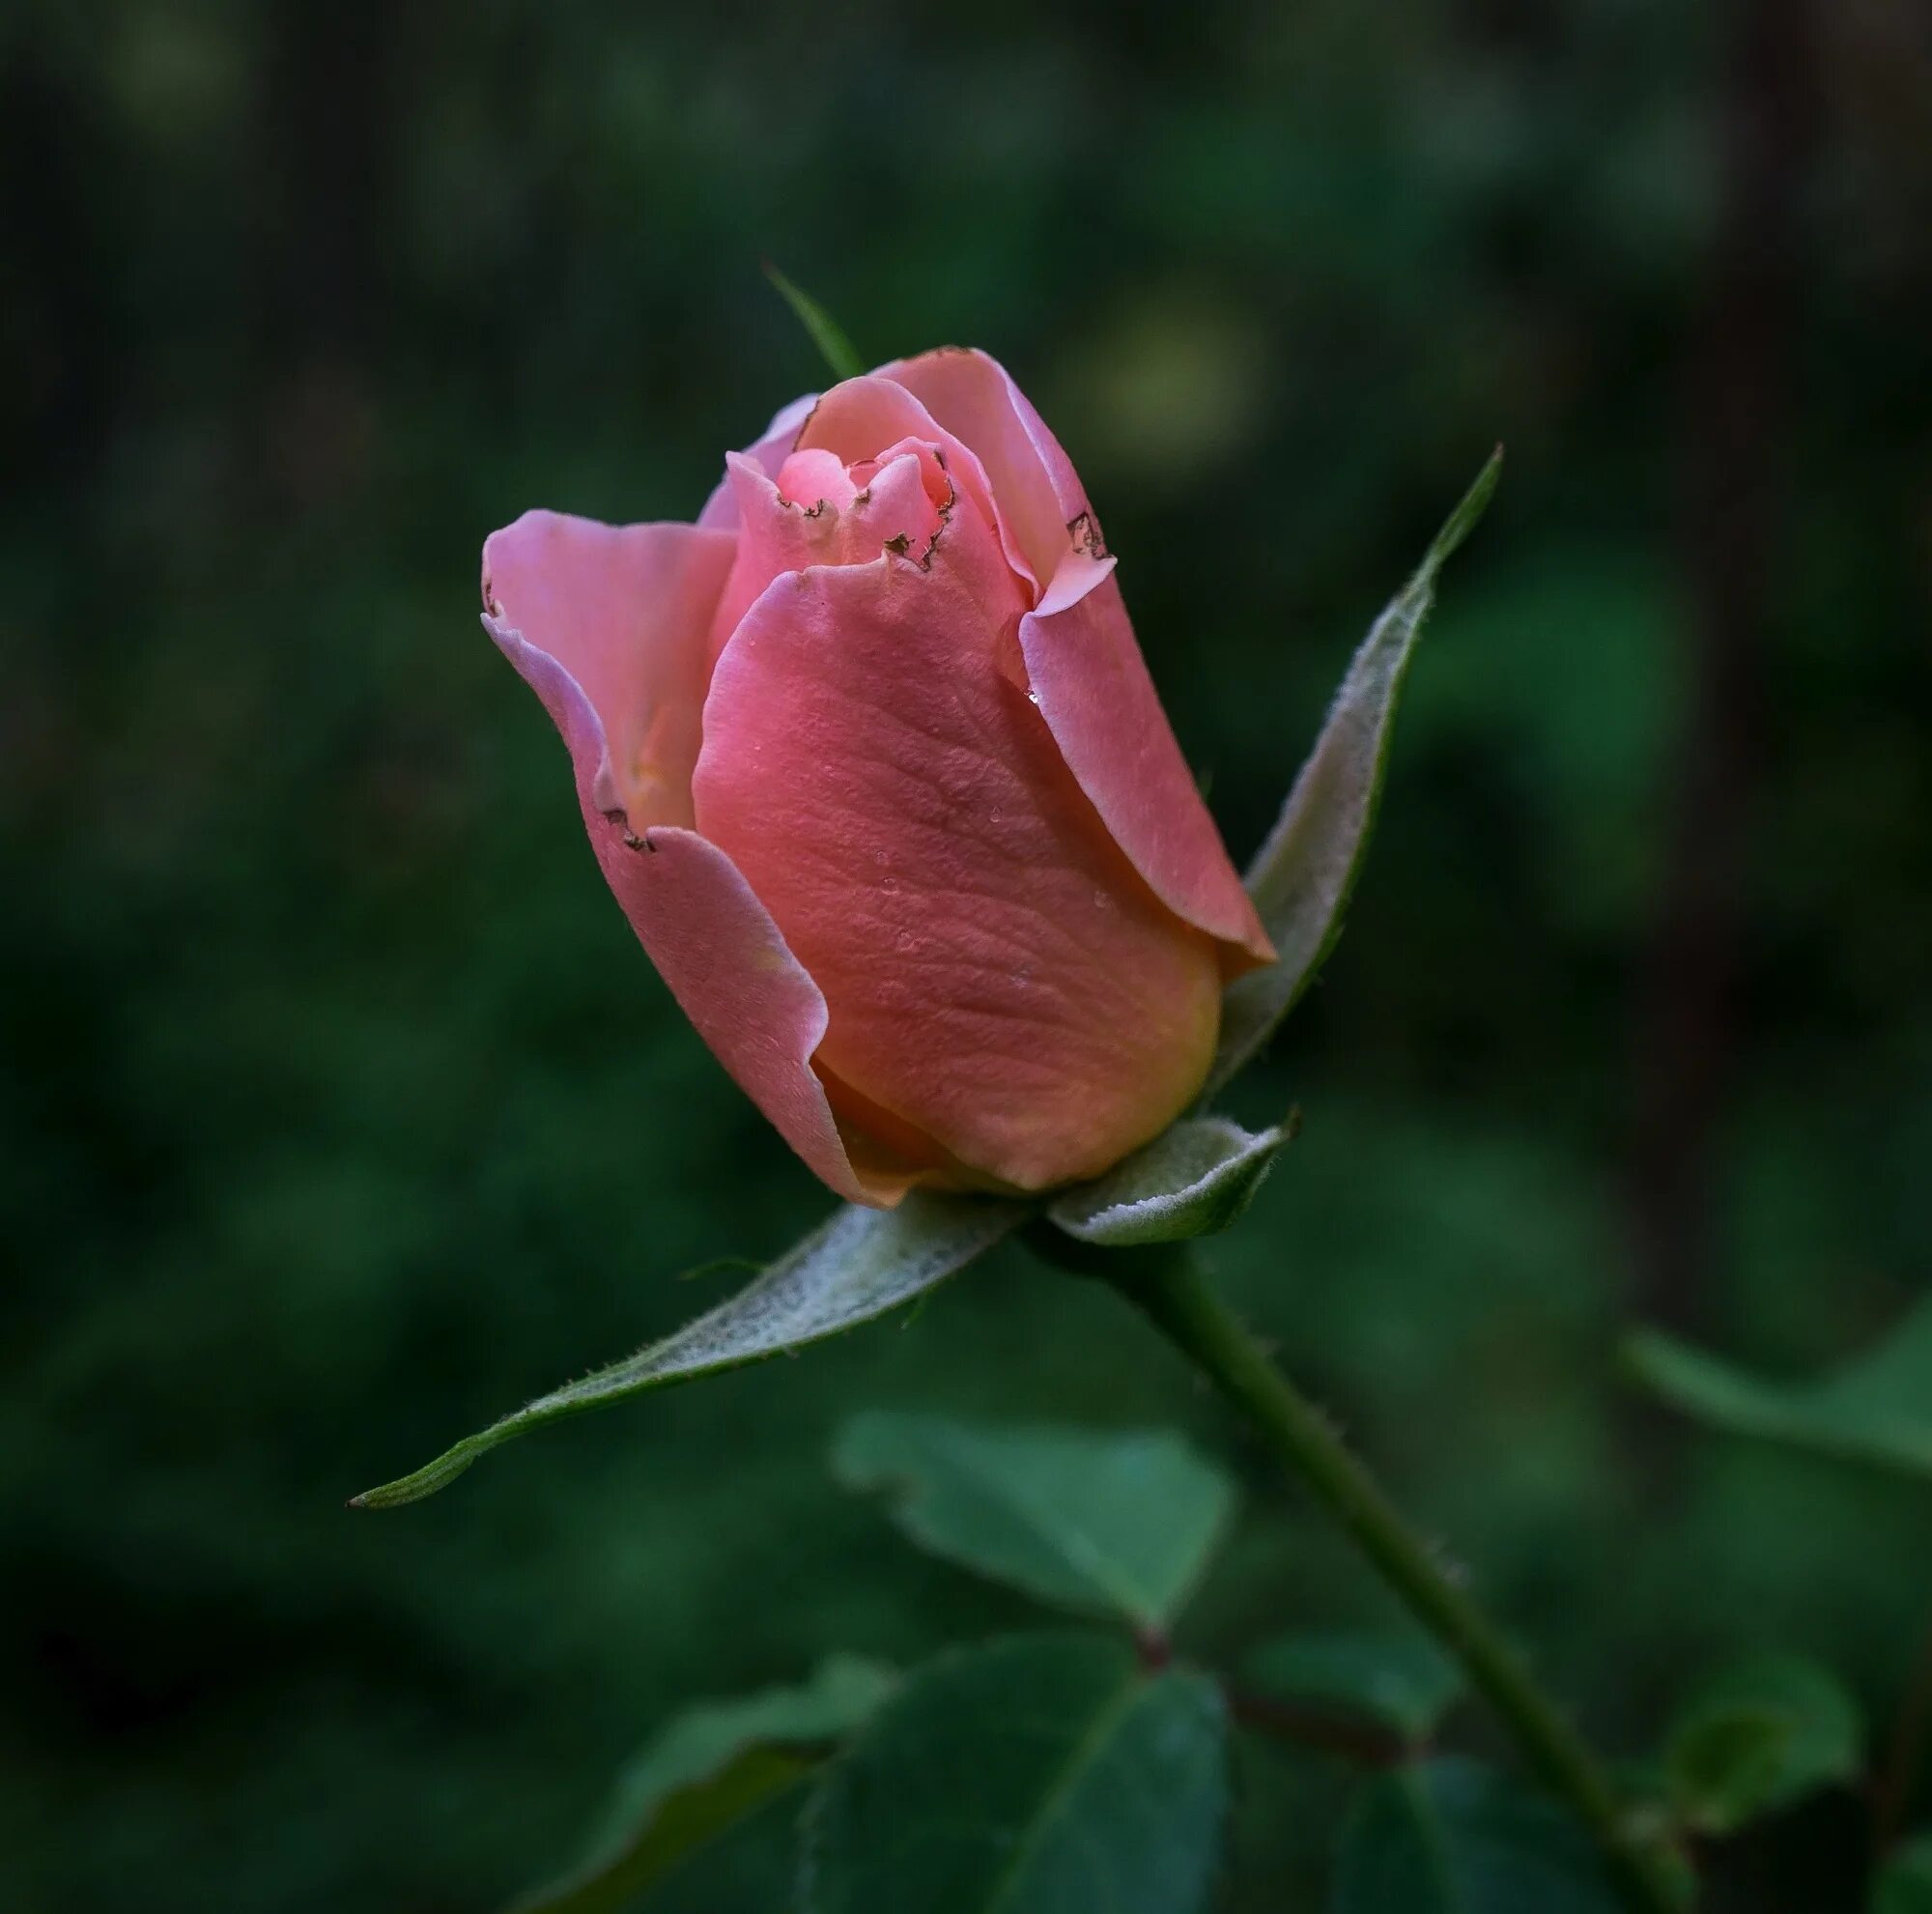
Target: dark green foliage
1040 1775
1876 1409
1394 1678
1451 1837
1757 1735
707 1770
1905 1881
1119 1525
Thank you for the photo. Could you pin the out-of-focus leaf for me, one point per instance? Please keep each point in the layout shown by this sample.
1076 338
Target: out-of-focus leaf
1302 876
710 1767
827 334
1877 1409
1904 1883
1195 1178
1102 1523
1453 1836
1755 1737
1041 1775
857 1265
1399 1681
1724 1765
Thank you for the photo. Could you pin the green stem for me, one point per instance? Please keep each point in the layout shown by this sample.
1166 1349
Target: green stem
1171 1291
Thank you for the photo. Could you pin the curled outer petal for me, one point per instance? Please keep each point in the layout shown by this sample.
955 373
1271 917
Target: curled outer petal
1082 659
1095 694
608 625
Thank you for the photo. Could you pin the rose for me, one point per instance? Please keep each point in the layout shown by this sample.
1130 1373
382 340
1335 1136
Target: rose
871 760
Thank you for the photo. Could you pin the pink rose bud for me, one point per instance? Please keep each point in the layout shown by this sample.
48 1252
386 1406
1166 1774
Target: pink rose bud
871 760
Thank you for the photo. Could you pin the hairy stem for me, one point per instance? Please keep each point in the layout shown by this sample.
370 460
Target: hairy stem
1170 1290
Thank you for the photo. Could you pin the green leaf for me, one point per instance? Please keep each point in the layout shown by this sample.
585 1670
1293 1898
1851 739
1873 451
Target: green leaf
1399 1681
1904 1884
1755 1737
1877 1409
1301 879
837 351
857 1265
1724 1766
1104 1522
709 1768
1195 1178
1041 1775
1453 1836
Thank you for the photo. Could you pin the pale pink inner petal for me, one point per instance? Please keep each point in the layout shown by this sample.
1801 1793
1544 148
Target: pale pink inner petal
1041 501
814 478
896 509
998 976
768 455
858 418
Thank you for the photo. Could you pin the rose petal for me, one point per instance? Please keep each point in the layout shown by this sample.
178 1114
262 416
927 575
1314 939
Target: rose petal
1041 499
859 418
625 610
614 604
720 510
808 479
1092 688
999 977
779 534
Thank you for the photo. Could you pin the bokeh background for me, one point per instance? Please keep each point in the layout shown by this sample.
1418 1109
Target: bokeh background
340 1111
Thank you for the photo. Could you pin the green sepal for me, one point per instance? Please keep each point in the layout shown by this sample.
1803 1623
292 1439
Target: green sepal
1196 1177
857 1265
1302 876
825 333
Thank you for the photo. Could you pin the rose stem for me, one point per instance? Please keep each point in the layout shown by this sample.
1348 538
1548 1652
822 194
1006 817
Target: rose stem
1169 1289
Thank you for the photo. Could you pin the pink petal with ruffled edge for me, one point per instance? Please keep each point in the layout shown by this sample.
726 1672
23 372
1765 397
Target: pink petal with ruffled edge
999 977
720 510
603 621
1081 656
858 419
1037 492
827 521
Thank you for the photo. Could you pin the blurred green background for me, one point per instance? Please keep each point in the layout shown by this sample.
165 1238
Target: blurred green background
341 1112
